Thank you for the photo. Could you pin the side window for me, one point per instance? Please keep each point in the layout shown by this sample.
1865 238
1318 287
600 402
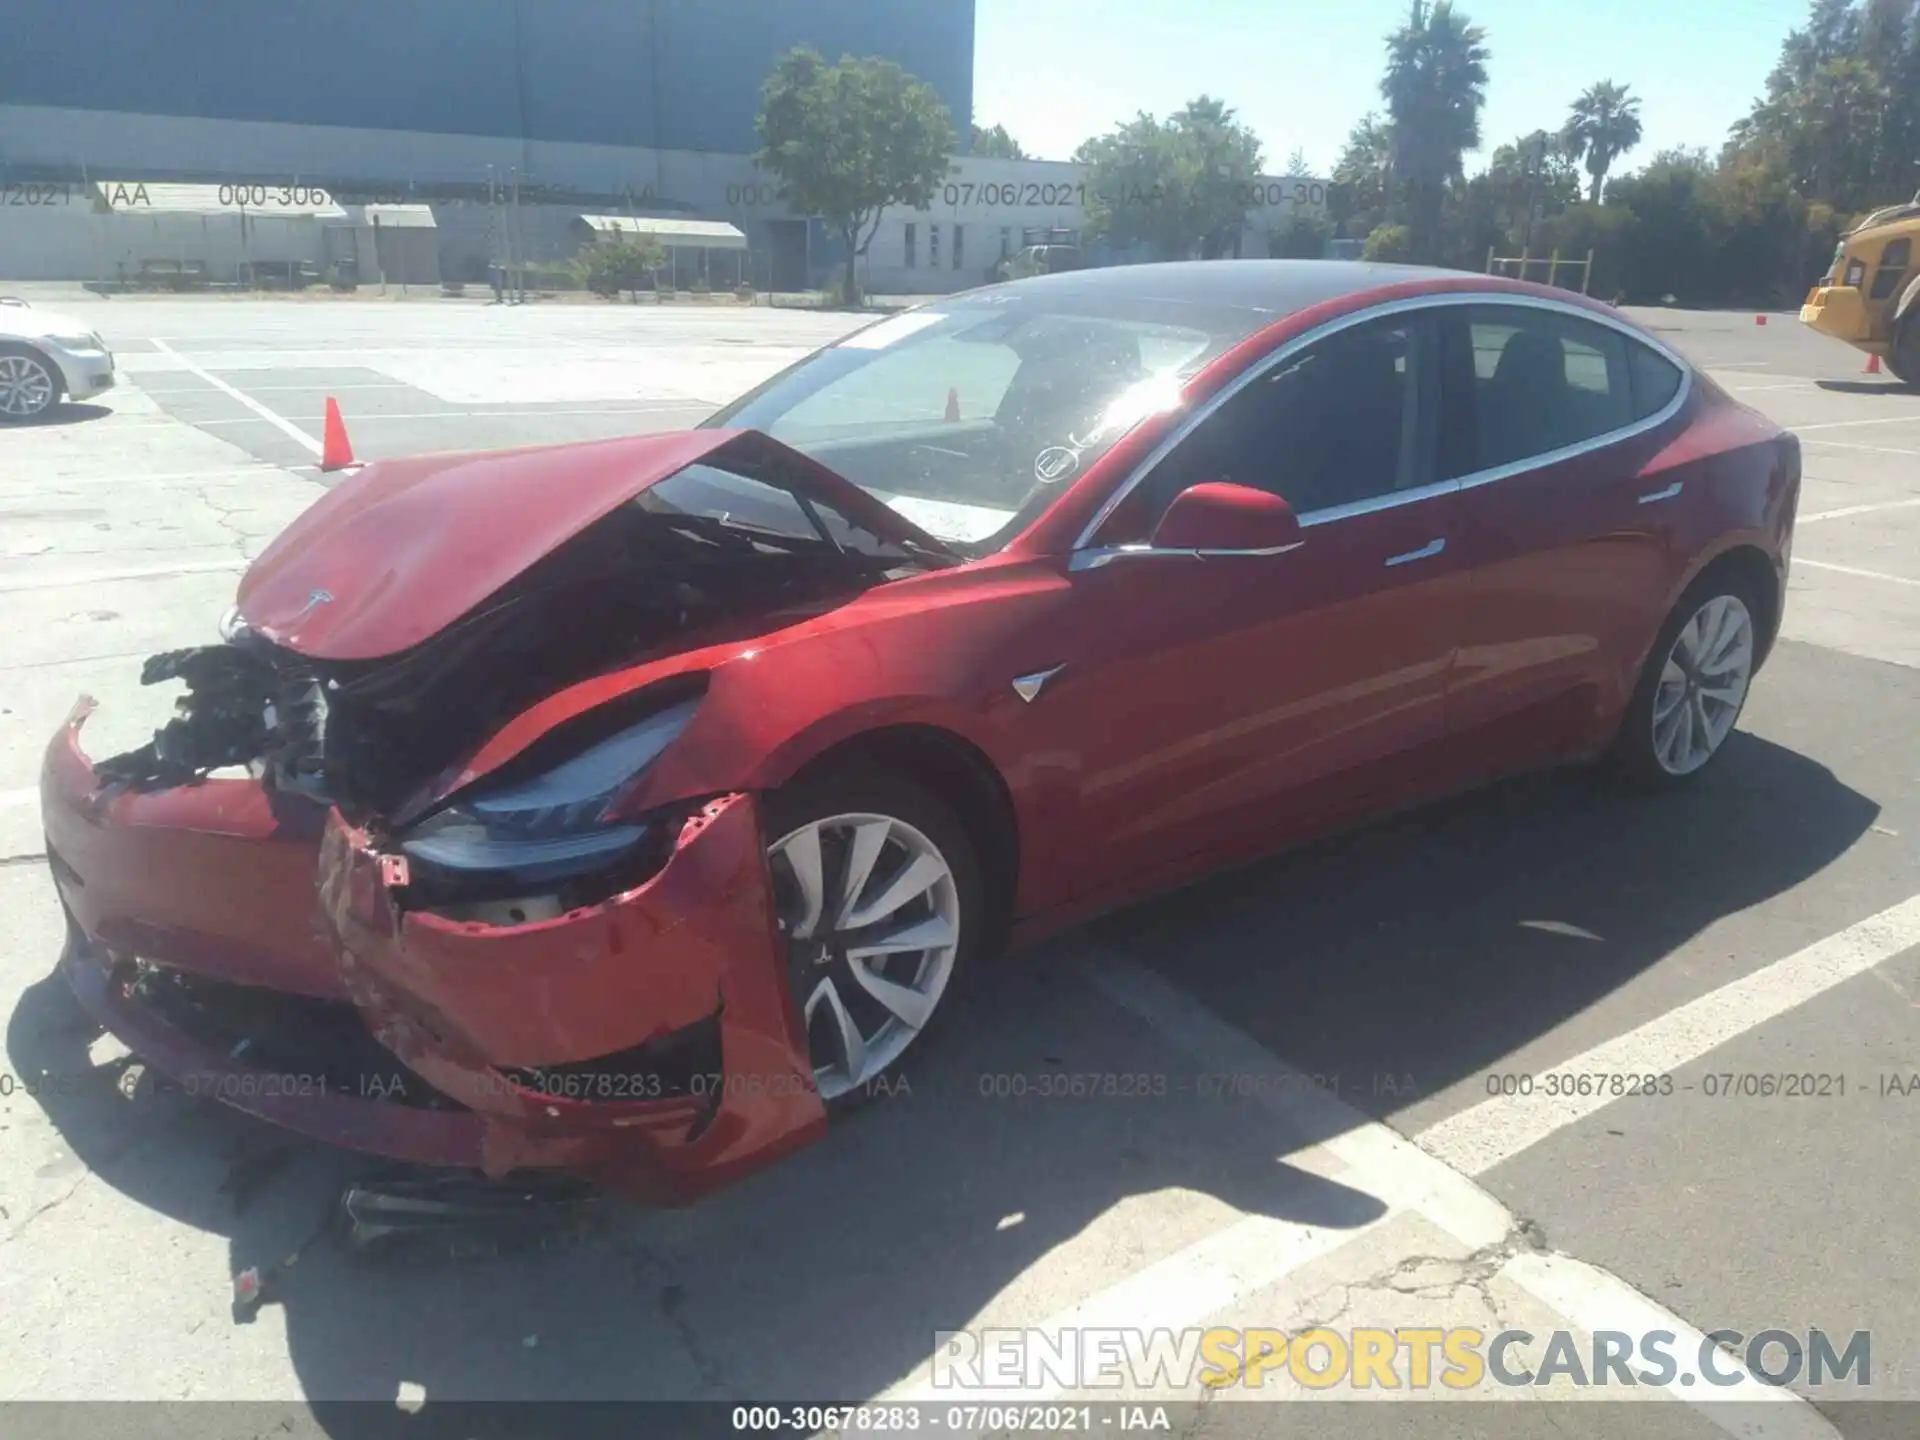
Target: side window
1345 420
1656 380
1894 261
1541 381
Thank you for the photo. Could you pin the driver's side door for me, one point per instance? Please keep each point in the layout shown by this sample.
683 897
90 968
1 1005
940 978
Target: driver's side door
1218 705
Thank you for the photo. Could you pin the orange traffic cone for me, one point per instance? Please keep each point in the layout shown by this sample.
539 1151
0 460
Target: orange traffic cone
1873 365
953 404
336 452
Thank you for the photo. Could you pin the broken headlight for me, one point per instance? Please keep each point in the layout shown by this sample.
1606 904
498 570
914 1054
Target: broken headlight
557 824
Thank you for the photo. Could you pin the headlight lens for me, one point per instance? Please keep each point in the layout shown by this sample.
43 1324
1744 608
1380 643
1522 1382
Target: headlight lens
76 342
557 824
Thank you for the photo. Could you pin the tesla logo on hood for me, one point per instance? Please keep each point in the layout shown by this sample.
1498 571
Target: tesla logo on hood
315 599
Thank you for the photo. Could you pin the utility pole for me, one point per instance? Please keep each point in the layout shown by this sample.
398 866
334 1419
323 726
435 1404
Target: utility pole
1536 165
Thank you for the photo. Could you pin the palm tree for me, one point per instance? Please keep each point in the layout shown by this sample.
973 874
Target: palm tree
1603 126
1436 83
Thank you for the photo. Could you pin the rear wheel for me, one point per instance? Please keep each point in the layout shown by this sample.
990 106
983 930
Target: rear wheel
1905 359
880 899
28 387
1694 685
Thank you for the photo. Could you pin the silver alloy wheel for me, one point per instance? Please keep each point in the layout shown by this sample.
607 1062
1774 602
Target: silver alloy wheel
871 915
1703 685
26 387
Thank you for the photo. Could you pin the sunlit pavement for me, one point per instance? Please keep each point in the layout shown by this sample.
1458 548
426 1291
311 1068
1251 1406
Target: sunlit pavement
1762 925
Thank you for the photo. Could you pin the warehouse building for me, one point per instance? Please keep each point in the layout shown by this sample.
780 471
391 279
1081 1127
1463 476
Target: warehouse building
492 126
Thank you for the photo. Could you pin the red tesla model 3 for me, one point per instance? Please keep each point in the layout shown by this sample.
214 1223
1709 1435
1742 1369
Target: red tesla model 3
624 807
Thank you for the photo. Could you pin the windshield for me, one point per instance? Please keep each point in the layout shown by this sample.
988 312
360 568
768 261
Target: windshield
969 415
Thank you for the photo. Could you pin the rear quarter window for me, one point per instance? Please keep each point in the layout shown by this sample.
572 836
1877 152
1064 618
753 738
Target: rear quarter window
1656 380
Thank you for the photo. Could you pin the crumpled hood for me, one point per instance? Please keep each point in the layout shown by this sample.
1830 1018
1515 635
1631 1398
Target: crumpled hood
404 548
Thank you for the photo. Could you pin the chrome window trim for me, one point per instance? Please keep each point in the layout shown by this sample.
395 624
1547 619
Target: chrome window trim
1098 556
1407 497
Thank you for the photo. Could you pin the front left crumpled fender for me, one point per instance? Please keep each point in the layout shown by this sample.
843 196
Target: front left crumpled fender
463 1002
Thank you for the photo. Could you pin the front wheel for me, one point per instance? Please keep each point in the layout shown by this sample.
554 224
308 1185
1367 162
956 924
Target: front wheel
879 897
28 385
1693 687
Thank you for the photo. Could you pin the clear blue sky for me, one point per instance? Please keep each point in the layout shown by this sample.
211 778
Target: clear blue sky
1055 71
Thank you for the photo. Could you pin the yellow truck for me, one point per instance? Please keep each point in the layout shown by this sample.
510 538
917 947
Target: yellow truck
1871 297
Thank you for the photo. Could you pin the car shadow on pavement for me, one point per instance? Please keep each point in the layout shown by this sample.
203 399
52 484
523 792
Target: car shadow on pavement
1434 945
1430 946
68 414
1888 386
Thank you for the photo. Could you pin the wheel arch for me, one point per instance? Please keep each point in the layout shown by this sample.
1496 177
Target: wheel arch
960 773
1754 568
1909 302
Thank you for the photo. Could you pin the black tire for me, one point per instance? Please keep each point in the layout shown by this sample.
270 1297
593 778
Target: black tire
1634 758
1904 362
10 350
856 789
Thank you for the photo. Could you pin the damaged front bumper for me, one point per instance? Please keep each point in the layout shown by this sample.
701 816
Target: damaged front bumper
646 1042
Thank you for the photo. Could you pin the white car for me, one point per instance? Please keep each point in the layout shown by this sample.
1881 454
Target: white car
44 356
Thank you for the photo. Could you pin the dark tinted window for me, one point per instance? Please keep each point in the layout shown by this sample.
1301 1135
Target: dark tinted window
1656 380
1336 424
1540 381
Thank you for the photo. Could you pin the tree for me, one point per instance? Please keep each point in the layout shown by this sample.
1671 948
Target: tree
1302 237
1389 245
845 141
1435 86
626 262
1532 175
994 143
1297 163
1173 186
1840 119
1362 178
1603 125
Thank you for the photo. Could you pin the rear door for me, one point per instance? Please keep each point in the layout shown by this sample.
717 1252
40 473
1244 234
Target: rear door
1557 428
1216 704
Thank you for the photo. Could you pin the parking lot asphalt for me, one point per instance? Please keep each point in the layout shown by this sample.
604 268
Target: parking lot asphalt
1329 1049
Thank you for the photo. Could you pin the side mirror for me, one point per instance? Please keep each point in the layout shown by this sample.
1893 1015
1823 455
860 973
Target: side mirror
1218 517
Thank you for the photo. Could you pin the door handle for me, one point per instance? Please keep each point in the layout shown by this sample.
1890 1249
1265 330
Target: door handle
1425 552
1666 494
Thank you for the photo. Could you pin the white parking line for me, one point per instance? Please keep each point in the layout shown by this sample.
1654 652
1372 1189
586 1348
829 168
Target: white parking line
1197 1284
1845 424
252 404
518 412
1483 1135
1847 510
1871 449
294 389
1850 570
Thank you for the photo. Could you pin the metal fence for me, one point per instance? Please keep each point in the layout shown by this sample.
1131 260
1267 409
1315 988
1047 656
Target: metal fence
1520 267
